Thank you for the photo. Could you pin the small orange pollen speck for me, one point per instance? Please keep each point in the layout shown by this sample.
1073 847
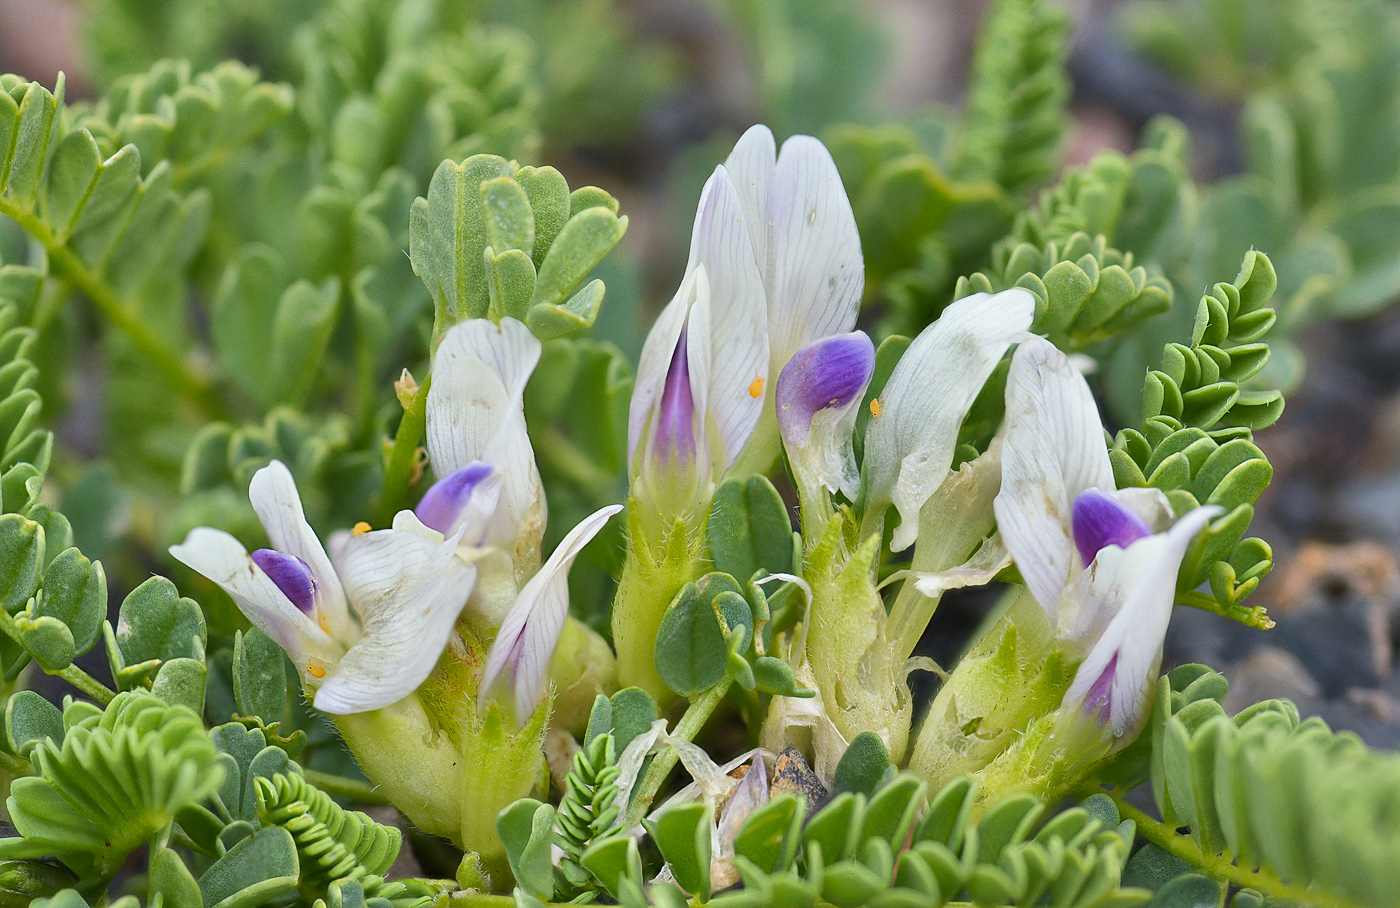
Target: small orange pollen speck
875 407
756 386
360 529
316 670
321 620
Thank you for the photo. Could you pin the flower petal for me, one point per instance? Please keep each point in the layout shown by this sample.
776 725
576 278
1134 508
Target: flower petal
466 498
274 496
291 575
909 447
658 352
1054 449
738 319
818 398
1138 586
408 588
224 560
475 413
750 166
1099 520
816 275
523 646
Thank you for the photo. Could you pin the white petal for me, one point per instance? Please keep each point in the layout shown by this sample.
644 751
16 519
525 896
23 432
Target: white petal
475 413
274 496
408 587
909 447
224 560
531 628
750 166
1054 449
655 361
816 275
990 559
738 319
1139 584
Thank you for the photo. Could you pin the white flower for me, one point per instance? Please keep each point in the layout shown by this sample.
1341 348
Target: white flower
910 440
520 655
818 396
1102 563
364 631
775 264
475 414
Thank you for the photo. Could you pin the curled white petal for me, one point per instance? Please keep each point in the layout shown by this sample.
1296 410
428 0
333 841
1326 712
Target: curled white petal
1138 584
274 496
474 412
224 560
530 631
909 447
1054 449
408 586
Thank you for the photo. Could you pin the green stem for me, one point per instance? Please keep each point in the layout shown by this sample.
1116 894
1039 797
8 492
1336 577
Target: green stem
349 789
1251 617
661 765
72 674
76 272
398 476
1219 866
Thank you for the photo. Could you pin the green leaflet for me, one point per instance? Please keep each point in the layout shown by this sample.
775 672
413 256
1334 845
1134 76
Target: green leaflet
494 239
899 846
333 843
1196 443
112 782
1013 124
1271 791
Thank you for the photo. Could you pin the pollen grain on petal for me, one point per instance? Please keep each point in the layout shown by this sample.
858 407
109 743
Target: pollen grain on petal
360 529
321 620
756 386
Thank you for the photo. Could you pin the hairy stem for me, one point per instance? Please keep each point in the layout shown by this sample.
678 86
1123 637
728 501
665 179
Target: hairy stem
75 271
398 476
1220 867
661 765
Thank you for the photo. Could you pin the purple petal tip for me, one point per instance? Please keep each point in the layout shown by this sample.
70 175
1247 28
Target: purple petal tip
675 418
1099 697
443 503
291 575
827 373
1100 520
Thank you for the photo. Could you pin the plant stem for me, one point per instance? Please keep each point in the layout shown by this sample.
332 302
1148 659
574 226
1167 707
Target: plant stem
349 789
74 270
398 475
661 765
1250 617
72 674
1219 866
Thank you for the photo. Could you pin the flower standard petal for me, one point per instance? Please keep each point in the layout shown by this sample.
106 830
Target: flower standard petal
750 166
818 397
737 327
1140 582
273 494
1100 520
815 274
909 447
475 413
1054 449
408 585
224 560
522 649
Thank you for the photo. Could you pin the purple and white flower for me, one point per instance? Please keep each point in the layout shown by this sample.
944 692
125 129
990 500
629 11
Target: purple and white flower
909 445
365 628
1102 563
818 397
367 625
775 264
